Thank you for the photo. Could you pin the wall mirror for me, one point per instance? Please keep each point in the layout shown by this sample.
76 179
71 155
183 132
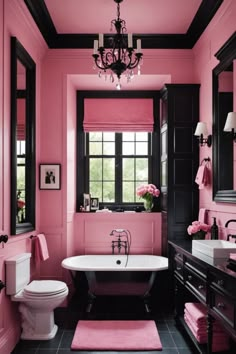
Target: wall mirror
224 148
22 139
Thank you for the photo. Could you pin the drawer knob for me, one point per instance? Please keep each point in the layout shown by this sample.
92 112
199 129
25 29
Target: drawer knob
220 282
200 287
221 305
178 268
190 277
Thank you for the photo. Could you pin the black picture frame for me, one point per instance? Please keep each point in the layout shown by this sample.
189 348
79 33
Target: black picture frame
94 204
50 176
87 202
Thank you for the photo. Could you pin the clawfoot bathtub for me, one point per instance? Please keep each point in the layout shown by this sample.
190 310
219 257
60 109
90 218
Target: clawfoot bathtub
117 274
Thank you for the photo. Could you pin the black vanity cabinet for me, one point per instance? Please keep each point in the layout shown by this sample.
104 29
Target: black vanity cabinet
195 280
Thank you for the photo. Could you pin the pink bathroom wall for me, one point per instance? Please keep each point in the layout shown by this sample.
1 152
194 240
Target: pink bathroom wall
93 232
14 21
61 69
216 34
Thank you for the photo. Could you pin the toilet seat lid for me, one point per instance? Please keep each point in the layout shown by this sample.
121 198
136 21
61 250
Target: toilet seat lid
45 287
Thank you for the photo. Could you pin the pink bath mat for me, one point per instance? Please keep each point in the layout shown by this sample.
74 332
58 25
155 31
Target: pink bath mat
116 335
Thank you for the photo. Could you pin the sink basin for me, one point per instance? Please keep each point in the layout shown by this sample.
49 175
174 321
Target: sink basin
214 248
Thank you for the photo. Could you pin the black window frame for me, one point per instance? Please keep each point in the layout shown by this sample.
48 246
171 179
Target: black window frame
119 157
81 175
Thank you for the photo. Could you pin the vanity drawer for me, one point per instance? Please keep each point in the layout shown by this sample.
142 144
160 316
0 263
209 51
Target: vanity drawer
223 283
196 284
179 256
178 268
224 307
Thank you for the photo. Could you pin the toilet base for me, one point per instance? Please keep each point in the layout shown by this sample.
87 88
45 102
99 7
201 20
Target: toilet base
37 324
40 336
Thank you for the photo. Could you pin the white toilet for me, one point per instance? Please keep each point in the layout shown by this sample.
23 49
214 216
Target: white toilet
37 299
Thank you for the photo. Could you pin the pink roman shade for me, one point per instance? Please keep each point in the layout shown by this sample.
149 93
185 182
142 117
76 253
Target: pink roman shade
118 114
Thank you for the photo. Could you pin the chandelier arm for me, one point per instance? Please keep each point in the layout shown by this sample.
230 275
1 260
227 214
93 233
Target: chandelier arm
135 63
96 56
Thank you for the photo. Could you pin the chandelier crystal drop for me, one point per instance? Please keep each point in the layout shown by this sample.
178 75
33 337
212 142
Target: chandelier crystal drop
121 57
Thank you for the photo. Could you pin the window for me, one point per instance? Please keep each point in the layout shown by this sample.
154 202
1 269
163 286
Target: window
116 163
118 146
20 181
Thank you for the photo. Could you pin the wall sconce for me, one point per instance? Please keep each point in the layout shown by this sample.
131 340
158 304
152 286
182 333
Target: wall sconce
230 124
202 134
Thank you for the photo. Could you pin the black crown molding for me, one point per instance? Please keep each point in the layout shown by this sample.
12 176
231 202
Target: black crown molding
55 40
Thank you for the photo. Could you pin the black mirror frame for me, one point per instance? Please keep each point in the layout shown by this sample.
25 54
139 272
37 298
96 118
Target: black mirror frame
19 53
225 55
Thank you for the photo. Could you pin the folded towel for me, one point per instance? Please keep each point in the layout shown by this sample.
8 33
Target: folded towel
41 248
201 327
202 177
197 311
220 341
202 215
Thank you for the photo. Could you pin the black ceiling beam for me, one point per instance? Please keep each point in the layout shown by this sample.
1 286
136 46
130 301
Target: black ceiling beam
56 40
204 15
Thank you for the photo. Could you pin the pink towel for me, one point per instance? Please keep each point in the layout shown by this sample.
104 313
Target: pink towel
202 215
202 177
197 311
201 328
41 248
220 341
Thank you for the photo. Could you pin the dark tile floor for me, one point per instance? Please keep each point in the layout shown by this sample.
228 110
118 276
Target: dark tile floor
173 341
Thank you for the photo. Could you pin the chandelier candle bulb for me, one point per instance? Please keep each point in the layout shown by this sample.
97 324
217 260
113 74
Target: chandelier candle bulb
101 42
95 46
130 40
138 45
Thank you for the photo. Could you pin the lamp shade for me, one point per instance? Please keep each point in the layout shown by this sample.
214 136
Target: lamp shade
201 129
230 122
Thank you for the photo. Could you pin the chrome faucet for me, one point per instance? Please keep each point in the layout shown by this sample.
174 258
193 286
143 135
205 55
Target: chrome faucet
226 225
119 244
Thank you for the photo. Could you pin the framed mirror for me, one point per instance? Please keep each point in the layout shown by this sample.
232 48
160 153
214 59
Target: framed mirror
22 139
224 148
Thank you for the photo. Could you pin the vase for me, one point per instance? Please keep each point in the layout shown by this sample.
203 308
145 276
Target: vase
148 205
200 235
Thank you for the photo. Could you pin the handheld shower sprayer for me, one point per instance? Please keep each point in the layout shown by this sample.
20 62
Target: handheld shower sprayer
118 231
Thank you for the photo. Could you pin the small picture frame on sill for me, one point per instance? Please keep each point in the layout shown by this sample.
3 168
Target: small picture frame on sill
86 202
94 204
50 176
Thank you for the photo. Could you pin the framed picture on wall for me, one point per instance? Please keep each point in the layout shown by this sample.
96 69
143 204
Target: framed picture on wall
50 176
86 202
94 204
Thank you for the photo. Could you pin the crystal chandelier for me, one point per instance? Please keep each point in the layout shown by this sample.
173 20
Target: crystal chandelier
121 58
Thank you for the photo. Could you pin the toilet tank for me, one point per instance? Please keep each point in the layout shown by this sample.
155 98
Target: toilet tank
17 273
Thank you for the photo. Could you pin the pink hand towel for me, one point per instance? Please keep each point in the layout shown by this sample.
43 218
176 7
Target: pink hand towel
41 248
202 177
202 215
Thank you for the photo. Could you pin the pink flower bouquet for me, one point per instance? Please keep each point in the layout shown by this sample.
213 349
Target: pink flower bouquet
147 192
198 229
20 204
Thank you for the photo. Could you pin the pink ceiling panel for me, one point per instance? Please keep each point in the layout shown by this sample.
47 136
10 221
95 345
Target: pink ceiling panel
141 16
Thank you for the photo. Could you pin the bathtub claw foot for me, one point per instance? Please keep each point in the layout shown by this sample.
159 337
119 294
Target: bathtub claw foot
91 298
146 303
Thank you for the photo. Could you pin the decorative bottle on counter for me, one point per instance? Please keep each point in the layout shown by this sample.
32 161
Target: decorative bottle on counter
214 230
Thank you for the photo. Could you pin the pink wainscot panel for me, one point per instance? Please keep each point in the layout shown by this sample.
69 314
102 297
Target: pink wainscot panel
92 232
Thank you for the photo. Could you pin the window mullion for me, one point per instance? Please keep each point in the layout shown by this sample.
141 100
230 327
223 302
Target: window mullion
118 170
